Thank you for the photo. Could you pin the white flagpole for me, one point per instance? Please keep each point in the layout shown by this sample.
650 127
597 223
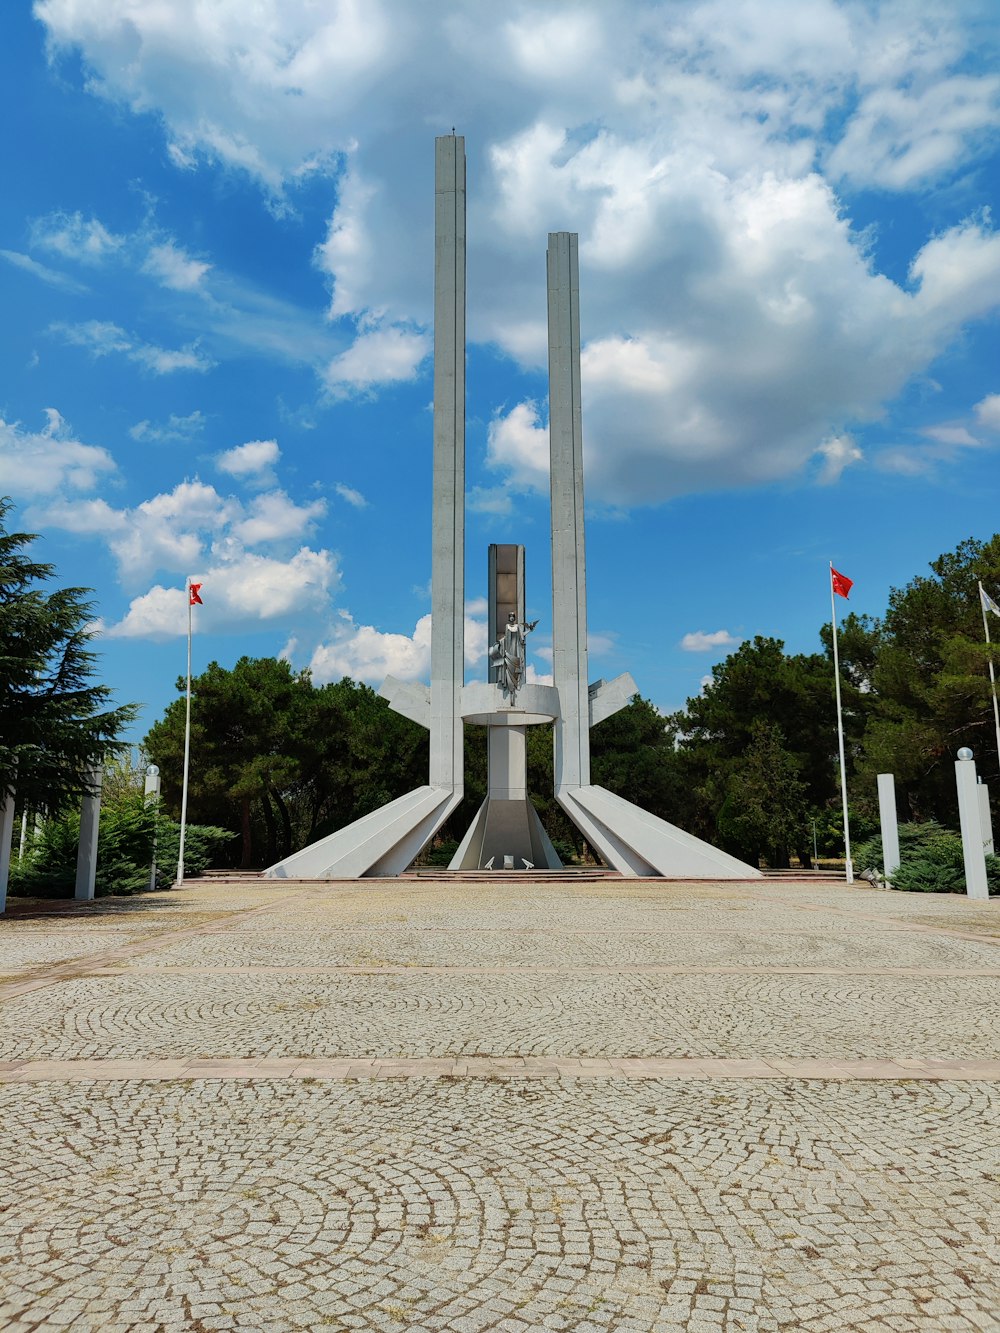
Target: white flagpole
187 747
993 679
840 734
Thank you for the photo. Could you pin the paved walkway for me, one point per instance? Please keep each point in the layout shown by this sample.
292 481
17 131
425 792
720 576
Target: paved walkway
608 1106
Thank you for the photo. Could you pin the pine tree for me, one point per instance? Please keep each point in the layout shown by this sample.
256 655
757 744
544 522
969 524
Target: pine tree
55 723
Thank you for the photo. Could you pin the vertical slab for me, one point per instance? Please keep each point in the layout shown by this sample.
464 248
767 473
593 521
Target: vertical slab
887 819
90 820
569 575
448 539
970 818
6 839
986 818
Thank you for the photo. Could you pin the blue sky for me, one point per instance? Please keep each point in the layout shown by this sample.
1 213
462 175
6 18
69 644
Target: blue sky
216 255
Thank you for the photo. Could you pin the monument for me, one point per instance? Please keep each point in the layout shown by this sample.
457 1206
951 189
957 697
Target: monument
507 834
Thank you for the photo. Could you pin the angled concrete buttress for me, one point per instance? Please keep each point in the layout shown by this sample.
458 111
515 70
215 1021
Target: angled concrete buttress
627 837
386 841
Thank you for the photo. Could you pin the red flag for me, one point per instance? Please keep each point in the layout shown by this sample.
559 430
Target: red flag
195 588
842 585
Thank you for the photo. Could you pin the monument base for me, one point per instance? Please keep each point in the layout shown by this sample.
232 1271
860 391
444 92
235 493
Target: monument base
506 835
636 843
381 843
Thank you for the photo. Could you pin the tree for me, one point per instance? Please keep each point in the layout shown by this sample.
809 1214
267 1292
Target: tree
55 722
764 813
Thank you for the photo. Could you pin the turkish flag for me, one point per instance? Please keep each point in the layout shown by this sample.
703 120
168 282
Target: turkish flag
195 588
842 585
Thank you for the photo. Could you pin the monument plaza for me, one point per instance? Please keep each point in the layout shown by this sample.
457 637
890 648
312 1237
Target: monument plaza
607 1105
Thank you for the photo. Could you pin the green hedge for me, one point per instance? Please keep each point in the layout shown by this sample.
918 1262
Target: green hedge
930 860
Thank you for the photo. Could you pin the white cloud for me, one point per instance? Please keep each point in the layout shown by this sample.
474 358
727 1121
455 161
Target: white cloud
50 275
173 267
518 443
175 428
987 412
352 496
734 323
274 517
102 338
366 653
239 593
85 240
40 463
838 453
703 641
182 529
380 356
250 459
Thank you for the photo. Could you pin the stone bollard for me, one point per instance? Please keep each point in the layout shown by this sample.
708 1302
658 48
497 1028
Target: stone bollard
90 823
971 822
152 792
888 820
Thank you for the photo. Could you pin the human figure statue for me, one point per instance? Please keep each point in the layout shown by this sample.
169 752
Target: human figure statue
507 655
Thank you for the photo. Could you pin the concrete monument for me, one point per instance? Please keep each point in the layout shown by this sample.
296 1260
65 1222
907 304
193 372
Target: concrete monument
507 834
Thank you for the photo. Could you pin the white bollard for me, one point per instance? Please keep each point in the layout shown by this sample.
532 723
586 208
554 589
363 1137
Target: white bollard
971 822
152 791
6 839
90 823
890 827
985 818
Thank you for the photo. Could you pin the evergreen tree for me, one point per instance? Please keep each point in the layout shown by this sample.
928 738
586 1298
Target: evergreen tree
55 723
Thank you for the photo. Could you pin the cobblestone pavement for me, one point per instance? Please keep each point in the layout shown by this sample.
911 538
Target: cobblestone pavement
633 1106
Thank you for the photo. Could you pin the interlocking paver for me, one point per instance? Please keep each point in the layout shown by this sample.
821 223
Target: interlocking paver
416 1106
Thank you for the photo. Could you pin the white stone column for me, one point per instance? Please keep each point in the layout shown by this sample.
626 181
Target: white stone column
152 795
448 537
6 840
888 820
986 818
90 822
569 574
972 830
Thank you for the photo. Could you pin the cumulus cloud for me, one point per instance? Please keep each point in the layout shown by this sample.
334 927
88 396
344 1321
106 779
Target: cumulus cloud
734 322
987 412
366 653
171 265
104 338
837 453
242 590
45 462
250 459
704 641
178 530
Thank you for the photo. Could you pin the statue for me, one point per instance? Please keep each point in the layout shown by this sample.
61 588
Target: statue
507 655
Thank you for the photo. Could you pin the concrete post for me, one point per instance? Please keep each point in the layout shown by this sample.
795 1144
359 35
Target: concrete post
448 536
972 831
986 818
6 840
569 577
90 822
152 794
890 828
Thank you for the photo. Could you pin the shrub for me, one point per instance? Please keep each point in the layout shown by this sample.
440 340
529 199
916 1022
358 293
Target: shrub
931 860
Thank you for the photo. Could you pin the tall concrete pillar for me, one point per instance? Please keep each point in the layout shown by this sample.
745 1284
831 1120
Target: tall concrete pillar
569 575
6 839
890 826
986 818
448 539
90 821
970 820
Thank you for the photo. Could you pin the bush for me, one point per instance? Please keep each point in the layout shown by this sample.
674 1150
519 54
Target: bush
931 860
124 851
